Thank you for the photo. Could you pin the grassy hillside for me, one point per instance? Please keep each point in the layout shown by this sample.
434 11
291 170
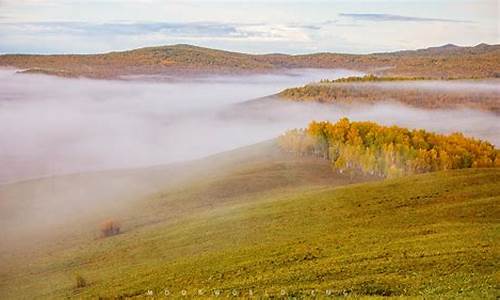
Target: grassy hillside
34 211
283 223
438 62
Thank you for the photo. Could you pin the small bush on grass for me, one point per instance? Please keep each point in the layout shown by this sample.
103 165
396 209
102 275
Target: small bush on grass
110 228
80 281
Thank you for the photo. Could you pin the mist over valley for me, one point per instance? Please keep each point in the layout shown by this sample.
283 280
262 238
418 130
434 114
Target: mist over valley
57 126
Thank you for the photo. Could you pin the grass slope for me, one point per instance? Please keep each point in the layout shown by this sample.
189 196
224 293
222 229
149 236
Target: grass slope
259 228
40 209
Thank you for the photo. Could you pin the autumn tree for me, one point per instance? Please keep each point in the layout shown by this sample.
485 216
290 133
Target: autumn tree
393 151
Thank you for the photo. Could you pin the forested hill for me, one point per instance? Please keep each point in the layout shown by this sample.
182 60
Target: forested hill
437 62
412 91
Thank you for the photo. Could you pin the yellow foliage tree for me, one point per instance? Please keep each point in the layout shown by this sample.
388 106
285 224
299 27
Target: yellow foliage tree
370 148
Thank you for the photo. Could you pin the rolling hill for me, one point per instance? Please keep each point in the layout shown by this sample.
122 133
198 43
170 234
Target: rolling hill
421 93
262 220
447 61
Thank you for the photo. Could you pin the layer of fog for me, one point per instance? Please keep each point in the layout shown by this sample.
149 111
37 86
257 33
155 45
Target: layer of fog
472 123
53 126
453 86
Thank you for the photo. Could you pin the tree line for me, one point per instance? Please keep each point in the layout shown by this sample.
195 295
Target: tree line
369 148
358 92
371 78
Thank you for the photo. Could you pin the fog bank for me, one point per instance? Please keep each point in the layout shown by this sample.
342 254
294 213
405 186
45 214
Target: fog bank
54 126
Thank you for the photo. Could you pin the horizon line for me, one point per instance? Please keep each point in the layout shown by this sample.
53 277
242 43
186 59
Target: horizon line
247 53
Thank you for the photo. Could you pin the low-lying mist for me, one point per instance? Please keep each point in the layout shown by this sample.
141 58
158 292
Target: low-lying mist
287 113
55 126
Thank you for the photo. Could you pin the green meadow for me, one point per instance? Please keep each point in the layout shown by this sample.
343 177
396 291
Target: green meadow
273 225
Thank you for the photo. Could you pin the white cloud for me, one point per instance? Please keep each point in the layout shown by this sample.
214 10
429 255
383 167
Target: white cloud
257 26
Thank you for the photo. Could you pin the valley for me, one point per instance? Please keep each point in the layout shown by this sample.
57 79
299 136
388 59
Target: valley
188 172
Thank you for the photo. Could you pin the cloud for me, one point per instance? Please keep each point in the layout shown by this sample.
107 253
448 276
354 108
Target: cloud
396 18
91 37
75 26
347 33
88 28
187 29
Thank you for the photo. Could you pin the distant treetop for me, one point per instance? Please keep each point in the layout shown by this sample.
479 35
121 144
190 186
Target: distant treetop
370 78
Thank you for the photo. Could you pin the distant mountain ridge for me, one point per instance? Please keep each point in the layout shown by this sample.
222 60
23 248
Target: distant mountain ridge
446 61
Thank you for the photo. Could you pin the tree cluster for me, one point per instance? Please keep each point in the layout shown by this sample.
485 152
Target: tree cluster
369 148
370 78
346 92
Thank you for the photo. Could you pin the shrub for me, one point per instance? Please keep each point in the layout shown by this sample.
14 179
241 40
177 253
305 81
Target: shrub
80 281
110 228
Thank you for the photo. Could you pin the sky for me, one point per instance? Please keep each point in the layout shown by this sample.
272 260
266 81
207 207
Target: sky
356 26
